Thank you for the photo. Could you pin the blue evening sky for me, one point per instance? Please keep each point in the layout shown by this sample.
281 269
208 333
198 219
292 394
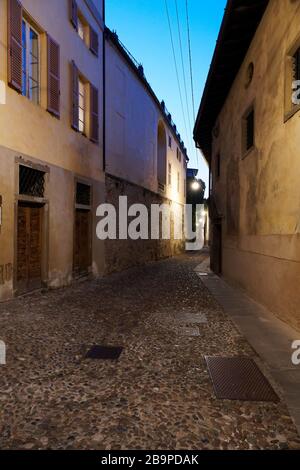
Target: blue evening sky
142 25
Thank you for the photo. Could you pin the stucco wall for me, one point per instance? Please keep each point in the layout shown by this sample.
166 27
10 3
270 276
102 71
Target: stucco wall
27 130
259 194
30 129
132 119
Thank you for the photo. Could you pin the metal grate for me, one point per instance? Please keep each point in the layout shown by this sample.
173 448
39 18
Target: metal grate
31 182
104 352
83 194
239 378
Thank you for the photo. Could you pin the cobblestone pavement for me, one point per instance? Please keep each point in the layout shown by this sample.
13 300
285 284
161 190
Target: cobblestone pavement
157 396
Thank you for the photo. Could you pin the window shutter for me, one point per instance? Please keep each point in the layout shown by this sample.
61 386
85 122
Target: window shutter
75 96
94 41
53 77
74 13
94 107
15 14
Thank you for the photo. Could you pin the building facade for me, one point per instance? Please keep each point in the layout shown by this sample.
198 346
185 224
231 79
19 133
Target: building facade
51 142
248 129
145 156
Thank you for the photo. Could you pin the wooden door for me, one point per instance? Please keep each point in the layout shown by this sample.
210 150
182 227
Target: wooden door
82 242
29 247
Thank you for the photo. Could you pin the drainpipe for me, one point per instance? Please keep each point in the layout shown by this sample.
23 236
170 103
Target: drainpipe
104 92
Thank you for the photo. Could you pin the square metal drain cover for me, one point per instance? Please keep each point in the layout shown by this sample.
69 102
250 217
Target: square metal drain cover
104 353
239 378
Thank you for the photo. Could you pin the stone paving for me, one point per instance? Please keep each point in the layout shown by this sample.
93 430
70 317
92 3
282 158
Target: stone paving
157 396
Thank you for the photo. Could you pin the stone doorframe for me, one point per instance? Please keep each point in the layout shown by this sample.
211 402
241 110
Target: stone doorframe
45 218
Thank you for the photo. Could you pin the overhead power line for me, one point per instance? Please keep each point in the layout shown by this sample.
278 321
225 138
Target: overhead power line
191 69
183 69
176 67
190 58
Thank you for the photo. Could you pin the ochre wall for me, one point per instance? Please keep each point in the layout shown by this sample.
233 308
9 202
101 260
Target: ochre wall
29 131
259 194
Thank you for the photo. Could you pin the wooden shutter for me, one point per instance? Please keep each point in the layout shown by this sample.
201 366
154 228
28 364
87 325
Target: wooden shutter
94 41
53 77
74 13
94 108
75 96
15 14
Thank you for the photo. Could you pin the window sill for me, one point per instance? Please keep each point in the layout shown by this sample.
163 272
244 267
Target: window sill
291 113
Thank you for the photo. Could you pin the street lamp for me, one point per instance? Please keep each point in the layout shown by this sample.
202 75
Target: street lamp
195 186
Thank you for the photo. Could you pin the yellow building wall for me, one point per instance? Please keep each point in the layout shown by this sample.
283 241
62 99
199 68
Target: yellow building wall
259 195
27 130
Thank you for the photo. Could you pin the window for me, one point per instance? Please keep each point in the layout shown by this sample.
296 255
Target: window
170 175
85 106
170 141
31 182
178 155
83 194
85 31
82 106
248 130
30 63
178 182
292 84
81 29
296 65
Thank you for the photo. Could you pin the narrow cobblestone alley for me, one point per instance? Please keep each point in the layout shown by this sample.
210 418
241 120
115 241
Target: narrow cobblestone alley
157 396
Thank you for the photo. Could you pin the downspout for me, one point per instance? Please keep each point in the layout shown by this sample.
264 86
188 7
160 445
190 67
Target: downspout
104 92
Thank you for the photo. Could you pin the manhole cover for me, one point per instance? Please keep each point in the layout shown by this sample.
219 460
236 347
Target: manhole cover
239 378
104 352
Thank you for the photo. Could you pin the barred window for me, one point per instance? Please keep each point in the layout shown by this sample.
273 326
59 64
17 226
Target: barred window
83 194
31 182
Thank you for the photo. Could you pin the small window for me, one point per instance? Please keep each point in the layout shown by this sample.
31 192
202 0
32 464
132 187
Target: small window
83 194
170 141
170 175
295 79
82 106
296 65
178 155
81 29
248 130
178 182
31 182
292 82
30 62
